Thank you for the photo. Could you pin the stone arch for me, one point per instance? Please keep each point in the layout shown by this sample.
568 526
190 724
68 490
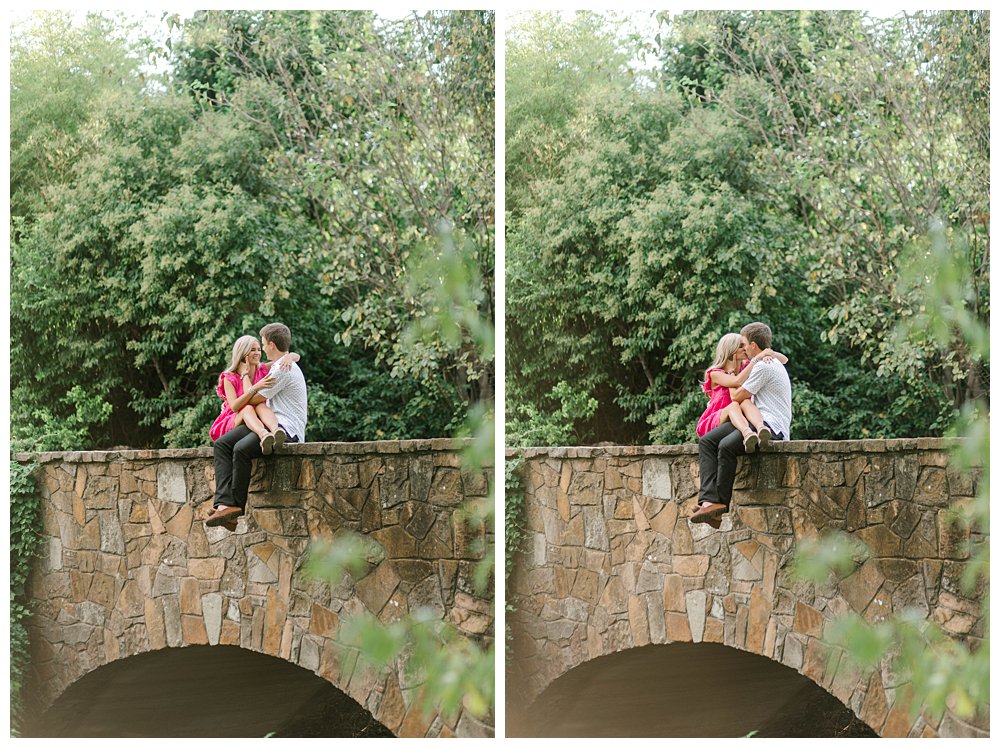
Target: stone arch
128 566
611 563
203 691
659 690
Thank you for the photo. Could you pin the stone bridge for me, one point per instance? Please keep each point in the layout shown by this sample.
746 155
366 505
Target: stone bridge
610 564
128 567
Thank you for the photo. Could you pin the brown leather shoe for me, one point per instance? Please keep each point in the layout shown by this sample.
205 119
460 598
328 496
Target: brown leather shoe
707 511
223 514
230 525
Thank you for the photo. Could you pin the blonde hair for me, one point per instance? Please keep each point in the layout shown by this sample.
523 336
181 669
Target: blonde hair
725 350
241 349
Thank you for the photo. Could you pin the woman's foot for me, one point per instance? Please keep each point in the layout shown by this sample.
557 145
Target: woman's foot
750 441
764 434
267 444
279 439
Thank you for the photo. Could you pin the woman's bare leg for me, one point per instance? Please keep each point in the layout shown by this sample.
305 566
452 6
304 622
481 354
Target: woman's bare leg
752 414
266 417
734 415
252 421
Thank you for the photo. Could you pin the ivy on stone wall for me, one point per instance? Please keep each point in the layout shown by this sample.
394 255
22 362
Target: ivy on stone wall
25 536
514 532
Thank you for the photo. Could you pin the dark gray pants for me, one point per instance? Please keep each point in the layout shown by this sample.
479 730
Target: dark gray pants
717 453
234 454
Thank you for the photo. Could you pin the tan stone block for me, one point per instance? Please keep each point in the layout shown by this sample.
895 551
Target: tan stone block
193 628
816 664
563 506
392 708
638 620
573 533
641 522
760 611
881 540
307 476
154 518
89 538
130 600
206 568
79 510
808 620
263 551
275 612
665 520
753 517
102 589
929 732
898 723
587 586
286 568
81 481
673 593
127 483
879 609
729 603
678 629
860 587
953 536
155 628
79 584
376 588
714 631
875 708
230 633
681 541
414 724
613 479
180 524
397 542
770 574
268 520
595 644
770 638
112 647
285 651
469 537
802 525
323 621
749 549
190 596
691 566
564 579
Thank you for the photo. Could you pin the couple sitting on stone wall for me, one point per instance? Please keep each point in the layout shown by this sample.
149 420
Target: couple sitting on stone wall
263 406
746 409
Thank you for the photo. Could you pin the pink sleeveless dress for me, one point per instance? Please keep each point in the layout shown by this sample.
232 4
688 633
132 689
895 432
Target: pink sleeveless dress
718 400
224 423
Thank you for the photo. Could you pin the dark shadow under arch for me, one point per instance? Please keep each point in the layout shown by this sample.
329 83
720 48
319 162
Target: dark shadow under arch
684 690
203 691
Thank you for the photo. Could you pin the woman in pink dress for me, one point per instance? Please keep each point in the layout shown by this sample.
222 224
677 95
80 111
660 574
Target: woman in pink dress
730 370
239 386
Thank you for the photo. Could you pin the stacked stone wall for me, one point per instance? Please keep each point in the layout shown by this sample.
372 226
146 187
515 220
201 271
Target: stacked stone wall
128 565
611 561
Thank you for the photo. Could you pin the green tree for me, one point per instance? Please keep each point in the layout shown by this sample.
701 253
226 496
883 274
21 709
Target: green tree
178 225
